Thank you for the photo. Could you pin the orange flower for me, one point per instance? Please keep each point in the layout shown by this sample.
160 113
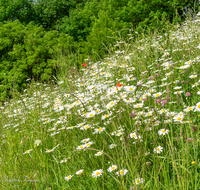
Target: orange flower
118 85
84 65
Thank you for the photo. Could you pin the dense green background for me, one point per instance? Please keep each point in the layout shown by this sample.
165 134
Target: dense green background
36 36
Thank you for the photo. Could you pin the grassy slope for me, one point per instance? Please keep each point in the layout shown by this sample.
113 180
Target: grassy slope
136 99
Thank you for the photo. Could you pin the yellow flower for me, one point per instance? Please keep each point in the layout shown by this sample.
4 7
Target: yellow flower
193 162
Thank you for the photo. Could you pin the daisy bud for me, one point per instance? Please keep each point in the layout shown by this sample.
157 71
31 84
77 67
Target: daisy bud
148 163
147 153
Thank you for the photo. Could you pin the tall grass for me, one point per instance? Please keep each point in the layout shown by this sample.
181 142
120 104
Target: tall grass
130 121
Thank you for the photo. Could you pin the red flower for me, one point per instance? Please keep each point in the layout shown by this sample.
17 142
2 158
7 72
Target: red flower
84 65
118 85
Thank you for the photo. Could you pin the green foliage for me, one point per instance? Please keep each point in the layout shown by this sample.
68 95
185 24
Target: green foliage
29 52
48 12
11 10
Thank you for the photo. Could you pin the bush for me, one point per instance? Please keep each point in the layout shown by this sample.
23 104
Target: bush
29 52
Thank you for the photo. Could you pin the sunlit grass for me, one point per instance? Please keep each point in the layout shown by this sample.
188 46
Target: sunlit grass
129 122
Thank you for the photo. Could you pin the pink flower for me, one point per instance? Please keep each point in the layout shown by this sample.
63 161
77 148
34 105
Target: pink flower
164 101
132 114
156 74
150 78
157 101
190 140
187 94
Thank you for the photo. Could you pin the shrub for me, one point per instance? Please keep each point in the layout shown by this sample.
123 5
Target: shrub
29 52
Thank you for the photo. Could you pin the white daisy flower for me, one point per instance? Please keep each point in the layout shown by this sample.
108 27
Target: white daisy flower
28 151
138 106
85 127
85 140
111 104
111 168
158 149
163 131
81 147
122 172
79 172
68 177
112 146
198 106
157 94
89 144
178 118
97 173
99 130
192 76
37 142
90 114
139 180
99 153
133 135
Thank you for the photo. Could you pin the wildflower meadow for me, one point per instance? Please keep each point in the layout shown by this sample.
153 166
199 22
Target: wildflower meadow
128 122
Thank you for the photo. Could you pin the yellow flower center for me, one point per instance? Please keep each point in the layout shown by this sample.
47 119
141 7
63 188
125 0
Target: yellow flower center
121 172
97 173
